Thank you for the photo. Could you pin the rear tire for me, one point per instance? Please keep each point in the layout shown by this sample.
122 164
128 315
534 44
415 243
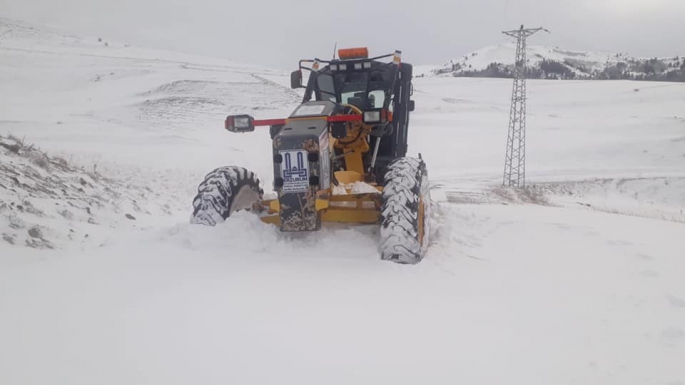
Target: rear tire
405 213
223 192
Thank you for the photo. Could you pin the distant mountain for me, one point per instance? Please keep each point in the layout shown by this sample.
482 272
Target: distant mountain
554 63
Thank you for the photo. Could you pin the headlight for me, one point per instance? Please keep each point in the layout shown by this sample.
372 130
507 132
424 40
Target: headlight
375 116
240 123
372 117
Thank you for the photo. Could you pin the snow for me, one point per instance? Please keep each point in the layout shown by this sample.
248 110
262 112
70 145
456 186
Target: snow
363 188
355 188
576 280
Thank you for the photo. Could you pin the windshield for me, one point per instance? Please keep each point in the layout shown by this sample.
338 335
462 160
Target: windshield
373 99
362 89
326 87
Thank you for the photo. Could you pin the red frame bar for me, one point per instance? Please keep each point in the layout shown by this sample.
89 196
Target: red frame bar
344 118
331 119
269 122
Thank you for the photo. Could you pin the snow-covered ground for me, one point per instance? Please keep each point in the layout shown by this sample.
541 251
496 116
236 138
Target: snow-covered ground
579 279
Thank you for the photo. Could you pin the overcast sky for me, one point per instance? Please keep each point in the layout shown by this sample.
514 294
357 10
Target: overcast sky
279 32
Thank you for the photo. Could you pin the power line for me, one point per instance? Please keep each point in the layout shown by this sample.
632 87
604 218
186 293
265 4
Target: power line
515 159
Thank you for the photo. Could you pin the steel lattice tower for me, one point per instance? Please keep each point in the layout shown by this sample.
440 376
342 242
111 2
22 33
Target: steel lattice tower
515 160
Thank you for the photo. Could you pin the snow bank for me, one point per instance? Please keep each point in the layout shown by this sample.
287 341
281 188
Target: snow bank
47 203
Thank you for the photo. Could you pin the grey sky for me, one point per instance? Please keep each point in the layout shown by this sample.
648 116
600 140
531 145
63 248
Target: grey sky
279 32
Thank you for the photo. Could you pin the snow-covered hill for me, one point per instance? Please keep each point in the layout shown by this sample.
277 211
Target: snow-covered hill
554 63
577 279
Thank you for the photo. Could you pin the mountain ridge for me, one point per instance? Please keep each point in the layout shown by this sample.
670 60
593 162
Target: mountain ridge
546 62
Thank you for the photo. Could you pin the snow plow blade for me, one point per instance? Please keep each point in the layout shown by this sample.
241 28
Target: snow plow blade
353 208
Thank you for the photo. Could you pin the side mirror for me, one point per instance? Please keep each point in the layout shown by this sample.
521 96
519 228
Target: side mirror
407 71
296 79
411 106
239 123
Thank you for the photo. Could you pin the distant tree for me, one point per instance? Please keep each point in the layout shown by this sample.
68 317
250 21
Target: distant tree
648 68
493 70
614 72
672 76
535 73
556 69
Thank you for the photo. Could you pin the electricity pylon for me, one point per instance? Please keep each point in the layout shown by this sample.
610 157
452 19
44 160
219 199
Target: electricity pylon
515 160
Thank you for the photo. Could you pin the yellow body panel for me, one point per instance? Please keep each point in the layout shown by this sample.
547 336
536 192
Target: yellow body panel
353 161
321 204
351 216
348 177
353 208
272 219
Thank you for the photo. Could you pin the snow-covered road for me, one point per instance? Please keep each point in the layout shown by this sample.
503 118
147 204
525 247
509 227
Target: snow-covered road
580 281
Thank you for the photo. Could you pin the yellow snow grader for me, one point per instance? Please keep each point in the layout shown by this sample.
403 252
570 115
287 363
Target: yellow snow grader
339 157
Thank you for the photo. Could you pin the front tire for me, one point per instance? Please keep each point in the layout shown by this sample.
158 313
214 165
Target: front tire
405 213
223 192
